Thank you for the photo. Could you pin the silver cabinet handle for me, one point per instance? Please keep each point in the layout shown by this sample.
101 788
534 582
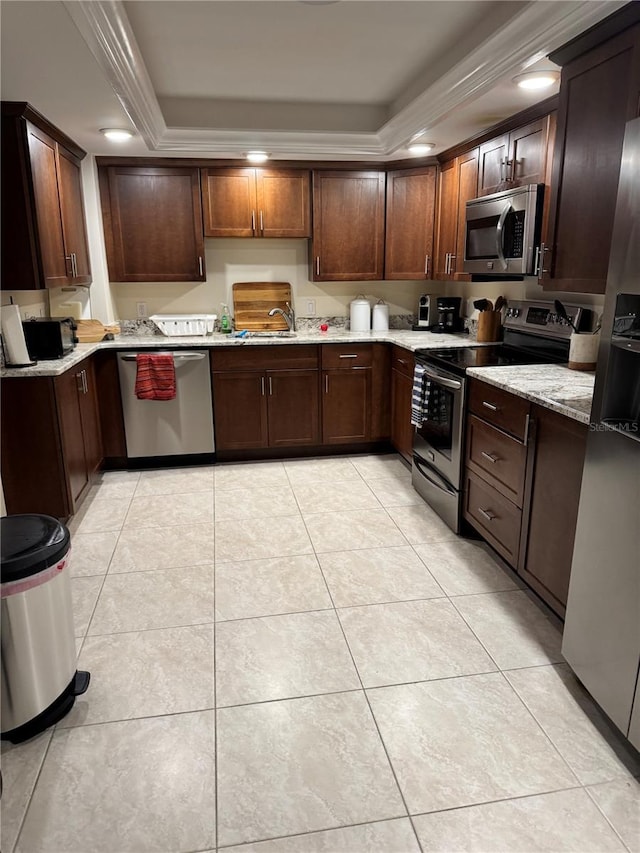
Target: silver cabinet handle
489 406
350 355
490 456
426 264
261 222
270 387
512 172
452 263
70 259
527 426
253 220
317 264
543 250
262 385
446 263
200 264
79 383
503 164
326 383
83 374
401 361
74 264
487 514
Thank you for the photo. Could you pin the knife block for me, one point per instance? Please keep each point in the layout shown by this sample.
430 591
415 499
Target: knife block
489 326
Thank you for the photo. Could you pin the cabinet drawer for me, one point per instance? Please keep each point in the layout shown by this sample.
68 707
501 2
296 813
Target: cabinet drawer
498 457
346 355
402 361
273 357
493 516
500 408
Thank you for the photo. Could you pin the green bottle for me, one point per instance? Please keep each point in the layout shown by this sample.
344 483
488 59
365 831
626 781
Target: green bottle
225 322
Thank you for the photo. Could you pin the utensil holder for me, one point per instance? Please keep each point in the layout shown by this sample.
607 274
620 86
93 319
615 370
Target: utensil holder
583 350
489 325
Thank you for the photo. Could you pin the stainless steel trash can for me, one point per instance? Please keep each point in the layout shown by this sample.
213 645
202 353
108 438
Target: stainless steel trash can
39 677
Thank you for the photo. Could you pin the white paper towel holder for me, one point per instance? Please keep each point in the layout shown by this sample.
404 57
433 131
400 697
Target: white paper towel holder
13 327
11 366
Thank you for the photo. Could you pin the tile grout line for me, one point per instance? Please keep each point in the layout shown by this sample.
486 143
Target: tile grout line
366 698
604 814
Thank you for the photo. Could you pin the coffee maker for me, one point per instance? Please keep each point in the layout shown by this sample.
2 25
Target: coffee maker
426 313
447 318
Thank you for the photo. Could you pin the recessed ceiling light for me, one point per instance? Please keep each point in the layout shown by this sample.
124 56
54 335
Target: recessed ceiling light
116 134
257 156
417 149
537 79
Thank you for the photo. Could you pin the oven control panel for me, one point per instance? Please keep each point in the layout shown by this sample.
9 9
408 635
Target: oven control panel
542 318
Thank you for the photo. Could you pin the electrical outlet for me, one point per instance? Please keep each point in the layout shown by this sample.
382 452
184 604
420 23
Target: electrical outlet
141 308
311 307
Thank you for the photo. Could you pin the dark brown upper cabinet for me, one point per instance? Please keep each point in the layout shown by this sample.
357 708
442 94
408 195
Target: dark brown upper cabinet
411 205
348 226
256 202
458 184
44 238
516 159
152 223
599 93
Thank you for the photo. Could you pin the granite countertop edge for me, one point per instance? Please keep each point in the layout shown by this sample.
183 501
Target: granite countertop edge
555 387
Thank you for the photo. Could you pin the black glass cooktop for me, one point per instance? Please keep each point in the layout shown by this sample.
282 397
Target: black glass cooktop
501 355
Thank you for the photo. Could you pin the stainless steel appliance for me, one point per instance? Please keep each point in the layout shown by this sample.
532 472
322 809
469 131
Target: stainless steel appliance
502 232
601 638
534 334
179 427
49 338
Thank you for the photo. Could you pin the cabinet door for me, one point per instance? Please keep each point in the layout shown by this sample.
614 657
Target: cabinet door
229 202
42 152
68 391
401 426
560 445
467 166
90 417
598 95
153 223
348 226
447 219
293 407
240 410
283 202
411 196
528 149
346 405
73 221
492 165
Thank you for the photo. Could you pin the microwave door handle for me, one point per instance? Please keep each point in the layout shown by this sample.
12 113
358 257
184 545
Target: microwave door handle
500 236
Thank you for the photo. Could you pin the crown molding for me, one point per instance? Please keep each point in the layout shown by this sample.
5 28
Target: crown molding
540 28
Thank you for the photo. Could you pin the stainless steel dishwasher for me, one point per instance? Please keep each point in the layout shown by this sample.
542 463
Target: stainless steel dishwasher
179 427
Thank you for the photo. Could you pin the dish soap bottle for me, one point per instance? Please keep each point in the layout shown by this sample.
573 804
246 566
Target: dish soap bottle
225 322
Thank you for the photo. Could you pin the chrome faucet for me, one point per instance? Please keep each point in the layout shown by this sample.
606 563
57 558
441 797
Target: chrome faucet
290 318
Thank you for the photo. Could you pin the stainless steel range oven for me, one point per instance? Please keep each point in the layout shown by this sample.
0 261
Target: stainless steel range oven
534 334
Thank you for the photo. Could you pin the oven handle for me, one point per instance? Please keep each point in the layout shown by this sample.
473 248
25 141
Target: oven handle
428 474
454 384
500 235
183 356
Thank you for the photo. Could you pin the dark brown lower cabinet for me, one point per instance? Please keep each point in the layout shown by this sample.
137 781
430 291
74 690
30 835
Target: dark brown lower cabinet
346 405
556 477
51 441
402 366
522 494
266 397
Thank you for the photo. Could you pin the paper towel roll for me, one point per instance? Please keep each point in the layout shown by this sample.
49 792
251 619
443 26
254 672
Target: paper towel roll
15 347
360 314
380 316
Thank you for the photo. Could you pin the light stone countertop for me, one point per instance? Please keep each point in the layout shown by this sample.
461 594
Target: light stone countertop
554 386
411 341
568 392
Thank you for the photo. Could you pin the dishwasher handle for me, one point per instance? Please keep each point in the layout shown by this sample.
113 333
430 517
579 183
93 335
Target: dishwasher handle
177 357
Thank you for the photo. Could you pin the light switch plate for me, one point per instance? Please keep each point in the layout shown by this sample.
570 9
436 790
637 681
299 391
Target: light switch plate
141 308
311 307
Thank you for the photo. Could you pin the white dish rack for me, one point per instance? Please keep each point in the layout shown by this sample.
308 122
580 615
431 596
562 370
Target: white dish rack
181 325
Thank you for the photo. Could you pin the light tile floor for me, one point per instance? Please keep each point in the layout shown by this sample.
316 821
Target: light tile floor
293 657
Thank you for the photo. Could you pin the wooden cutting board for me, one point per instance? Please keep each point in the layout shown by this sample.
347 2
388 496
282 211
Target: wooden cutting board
252 301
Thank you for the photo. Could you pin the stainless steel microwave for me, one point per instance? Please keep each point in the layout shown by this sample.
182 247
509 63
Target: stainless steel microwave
502 232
